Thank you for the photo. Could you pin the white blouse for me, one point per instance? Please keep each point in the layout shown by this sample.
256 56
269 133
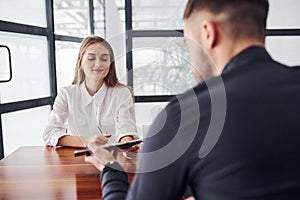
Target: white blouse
75 112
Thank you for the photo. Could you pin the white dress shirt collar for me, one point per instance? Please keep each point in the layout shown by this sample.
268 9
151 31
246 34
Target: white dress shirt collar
98 97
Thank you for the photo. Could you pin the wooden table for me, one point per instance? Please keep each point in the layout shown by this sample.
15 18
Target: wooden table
48 173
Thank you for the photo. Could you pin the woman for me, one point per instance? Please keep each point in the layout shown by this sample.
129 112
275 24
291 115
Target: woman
96 105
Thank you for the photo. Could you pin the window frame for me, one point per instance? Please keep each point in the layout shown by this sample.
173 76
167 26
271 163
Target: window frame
131 34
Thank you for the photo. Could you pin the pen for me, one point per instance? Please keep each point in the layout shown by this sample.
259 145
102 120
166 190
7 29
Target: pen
105 135
99 129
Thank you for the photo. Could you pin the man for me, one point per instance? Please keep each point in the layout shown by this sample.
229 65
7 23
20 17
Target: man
234 136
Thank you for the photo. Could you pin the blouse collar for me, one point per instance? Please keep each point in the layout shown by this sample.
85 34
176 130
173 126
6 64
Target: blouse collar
98 97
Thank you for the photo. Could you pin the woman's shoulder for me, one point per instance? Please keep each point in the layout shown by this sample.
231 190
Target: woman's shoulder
121 90
70 89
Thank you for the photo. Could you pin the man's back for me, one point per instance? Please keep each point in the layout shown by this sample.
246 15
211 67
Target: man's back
257 153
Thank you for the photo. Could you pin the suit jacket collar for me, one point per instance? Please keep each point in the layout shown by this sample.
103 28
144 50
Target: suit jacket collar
248 55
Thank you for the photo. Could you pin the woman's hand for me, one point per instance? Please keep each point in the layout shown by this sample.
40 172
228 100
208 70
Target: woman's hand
101 156
99 139
134 148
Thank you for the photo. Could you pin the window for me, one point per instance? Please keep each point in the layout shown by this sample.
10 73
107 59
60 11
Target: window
160 66
29 12
284 14
25 28
157 14
153 43
66 56
24 128
284 49
30 67
146 114
99 17
71 17
157 62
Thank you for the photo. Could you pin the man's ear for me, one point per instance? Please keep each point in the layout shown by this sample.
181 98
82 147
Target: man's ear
210 33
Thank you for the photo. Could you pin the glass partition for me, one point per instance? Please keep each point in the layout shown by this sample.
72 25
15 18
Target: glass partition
66 56
161 66
284 14
284 49
30 67
157 14
24 128
31 12
71 17
145 115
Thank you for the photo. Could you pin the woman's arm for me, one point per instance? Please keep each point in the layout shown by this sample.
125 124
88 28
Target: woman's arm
56 127
72 141
82 141
55 133
125 115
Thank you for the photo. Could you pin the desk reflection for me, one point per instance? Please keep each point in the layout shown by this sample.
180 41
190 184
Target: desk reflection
52 173
88 184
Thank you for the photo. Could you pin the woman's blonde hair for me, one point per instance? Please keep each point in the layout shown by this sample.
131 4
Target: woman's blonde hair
111 79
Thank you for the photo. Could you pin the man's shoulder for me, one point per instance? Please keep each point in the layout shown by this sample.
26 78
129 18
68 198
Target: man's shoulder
259 74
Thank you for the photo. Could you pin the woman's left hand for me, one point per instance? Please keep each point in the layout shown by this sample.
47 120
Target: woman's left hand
134 148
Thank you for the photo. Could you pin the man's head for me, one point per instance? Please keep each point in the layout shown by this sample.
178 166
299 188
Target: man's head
224 27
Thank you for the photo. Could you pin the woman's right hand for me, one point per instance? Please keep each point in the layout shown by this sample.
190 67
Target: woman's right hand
101 139
98 140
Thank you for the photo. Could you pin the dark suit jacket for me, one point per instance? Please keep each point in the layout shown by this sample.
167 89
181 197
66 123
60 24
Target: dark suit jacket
236 136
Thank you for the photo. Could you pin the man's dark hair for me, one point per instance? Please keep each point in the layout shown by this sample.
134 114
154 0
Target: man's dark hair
246 17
